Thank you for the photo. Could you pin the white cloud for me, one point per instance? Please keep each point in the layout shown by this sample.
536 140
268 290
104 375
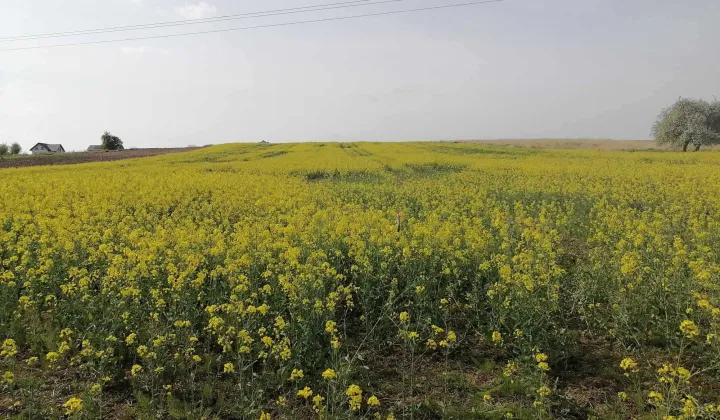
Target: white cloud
196 11
135 50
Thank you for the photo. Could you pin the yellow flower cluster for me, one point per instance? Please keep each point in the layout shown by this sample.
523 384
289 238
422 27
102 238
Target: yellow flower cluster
669 374
354 394
629 366
329 374
689 329
305 393
9 348
73 405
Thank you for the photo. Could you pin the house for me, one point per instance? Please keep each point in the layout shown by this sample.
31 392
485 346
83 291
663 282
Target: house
95 148
42 148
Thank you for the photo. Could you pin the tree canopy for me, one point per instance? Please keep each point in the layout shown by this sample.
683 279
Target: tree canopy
110 142
15 148
688 121
715 116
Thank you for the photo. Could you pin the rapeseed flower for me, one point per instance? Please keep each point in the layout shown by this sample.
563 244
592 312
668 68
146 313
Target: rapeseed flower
318 406
354 394
689 329
655 398
73 406
329 374
296 374
305 392
9 348
544 391
136 370
8 377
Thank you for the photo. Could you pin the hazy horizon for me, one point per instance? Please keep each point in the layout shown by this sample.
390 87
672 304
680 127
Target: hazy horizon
510 70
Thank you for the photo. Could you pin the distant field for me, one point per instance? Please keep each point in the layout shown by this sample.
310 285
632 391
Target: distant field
583 144
578 144
555 144
85 157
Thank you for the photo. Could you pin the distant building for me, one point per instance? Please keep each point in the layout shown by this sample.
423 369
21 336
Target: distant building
42 148
95 148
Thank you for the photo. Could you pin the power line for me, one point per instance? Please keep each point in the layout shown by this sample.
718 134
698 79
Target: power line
447 6
303 9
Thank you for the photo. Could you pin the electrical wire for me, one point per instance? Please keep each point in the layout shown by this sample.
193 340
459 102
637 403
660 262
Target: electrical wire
303 9
304 22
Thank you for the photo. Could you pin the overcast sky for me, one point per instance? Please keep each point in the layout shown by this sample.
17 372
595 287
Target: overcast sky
515 69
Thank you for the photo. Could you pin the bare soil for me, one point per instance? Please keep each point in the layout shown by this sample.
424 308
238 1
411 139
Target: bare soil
86 157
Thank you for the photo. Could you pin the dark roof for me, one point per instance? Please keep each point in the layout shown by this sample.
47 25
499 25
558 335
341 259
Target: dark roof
95 147
50 147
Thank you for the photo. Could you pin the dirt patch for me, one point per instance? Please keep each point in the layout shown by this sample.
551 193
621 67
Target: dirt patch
86 157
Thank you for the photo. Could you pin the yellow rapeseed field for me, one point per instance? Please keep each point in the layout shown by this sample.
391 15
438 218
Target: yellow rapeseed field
363 280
